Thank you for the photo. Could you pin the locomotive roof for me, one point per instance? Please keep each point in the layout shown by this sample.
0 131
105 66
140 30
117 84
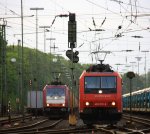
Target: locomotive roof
56 83
100 68
52 85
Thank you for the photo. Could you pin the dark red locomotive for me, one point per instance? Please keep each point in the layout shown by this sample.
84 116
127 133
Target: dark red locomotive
100 95
56 99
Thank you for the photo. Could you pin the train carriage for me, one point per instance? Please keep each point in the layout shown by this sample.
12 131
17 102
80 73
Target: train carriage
140 101
35 102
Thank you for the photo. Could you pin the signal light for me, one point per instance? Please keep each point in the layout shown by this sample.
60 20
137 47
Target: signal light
73 56
30 82
72 31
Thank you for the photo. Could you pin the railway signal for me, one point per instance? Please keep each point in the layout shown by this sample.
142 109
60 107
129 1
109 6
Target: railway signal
30 82
130 75
9 112
73 56
72 31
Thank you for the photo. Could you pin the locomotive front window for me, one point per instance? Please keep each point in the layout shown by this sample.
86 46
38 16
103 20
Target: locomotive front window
107 84
51 92
92 82
55 95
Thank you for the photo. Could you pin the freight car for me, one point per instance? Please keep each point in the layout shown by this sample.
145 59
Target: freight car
100 95
35 102
140 101
56 100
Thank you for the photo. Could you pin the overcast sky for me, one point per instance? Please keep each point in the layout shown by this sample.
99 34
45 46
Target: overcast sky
119 21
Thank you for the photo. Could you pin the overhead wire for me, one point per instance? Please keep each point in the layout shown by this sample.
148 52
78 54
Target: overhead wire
111 11
130 4
122 21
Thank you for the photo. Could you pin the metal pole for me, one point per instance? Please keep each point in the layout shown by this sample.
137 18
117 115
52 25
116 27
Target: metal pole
19 72
133 65
138 59
44 36
118 64
130 100
72 109
50 51
130 75
1 88
22 73
36 79
145 68
138 68
3 73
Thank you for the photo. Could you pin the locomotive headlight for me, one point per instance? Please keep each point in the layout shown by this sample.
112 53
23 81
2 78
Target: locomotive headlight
63 104
113 103
87 103
47 105
100 91
55 97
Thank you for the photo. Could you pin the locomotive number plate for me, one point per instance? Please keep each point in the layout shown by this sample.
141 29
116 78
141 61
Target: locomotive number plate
100 104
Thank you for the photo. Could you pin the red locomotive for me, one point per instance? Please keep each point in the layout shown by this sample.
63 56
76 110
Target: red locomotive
56 99
100 95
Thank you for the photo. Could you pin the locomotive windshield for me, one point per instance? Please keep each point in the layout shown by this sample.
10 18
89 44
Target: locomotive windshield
55 92
104 84
55 95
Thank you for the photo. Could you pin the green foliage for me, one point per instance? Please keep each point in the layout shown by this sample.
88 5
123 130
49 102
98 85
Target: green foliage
40 71
137 83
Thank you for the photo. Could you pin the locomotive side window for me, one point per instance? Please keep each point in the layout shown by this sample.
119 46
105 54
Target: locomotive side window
105 84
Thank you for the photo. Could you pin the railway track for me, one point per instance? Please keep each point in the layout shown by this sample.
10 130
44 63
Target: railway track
49 127
14 119
144 124
50 130
33 128
140 120
138 125
45 126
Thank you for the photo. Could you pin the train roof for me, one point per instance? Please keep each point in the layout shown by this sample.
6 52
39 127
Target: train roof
57 85
137 92
100 68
